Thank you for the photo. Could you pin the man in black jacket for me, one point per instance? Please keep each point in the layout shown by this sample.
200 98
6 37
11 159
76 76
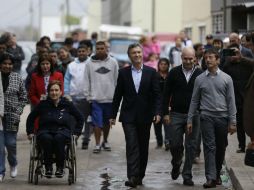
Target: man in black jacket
177 92
240 68
138 86
15 50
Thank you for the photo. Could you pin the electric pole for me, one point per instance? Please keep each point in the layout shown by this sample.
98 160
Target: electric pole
68 15
40 18
153 15
31 10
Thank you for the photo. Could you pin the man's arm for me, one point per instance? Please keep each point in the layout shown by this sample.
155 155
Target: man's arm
167 92
118 94
1 98
67 81
157 97
87 82
231 102
195 101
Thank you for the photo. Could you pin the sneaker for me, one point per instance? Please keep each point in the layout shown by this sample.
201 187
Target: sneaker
13 171
188 182
97 149
106 146
240 150
49 172
84 145
158 147
59 172
1 177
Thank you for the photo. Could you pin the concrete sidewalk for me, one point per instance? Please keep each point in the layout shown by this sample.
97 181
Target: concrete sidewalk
242 176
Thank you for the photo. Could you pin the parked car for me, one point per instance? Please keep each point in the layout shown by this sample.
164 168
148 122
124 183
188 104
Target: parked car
118 49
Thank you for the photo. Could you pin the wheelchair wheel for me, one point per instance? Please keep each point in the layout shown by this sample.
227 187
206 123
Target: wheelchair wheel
36 178
72 162
32 160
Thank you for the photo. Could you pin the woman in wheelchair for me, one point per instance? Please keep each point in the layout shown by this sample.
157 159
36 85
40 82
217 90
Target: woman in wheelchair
55 127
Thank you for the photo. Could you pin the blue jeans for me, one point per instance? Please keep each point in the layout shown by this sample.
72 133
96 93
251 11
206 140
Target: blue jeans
177 131
215 140
8 139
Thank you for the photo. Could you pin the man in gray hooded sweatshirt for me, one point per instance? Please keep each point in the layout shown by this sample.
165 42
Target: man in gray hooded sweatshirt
101 78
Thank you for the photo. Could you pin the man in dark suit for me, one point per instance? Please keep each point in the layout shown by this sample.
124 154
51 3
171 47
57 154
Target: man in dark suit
138 86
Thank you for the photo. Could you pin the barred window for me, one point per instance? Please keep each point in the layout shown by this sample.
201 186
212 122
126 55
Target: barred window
188 31
202 33
217 22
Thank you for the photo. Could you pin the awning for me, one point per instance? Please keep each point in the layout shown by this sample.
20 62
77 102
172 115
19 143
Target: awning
246 4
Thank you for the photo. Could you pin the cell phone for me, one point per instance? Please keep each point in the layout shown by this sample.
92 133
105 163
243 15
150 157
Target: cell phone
228 52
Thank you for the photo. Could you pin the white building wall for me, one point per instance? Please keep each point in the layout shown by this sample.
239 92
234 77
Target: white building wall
197 14
93 16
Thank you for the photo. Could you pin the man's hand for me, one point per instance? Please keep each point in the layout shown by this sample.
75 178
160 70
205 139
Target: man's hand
156 119
237 57
232 129
30 136
112 122
188 128
167 119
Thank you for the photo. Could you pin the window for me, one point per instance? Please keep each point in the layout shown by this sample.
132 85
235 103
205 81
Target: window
217 22
188 31
250 25
202 34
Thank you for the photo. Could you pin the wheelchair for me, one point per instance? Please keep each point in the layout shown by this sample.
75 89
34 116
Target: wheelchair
36 163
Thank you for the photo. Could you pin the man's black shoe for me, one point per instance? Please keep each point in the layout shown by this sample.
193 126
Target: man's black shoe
175 172
188 182
49 172
240 150
139 181
132 182
59 172
218 181
209 184
167 146
84 146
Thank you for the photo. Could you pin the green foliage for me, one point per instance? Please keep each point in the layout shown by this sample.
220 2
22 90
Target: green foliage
72 20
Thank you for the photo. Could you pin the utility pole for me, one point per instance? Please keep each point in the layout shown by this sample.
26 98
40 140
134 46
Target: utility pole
225 15
68 15
153 15
40 18
63 20
31 10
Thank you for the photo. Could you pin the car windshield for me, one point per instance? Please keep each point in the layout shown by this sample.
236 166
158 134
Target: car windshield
120 46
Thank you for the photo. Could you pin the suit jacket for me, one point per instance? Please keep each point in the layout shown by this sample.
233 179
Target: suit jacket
138 107
37 86
1 97
246 52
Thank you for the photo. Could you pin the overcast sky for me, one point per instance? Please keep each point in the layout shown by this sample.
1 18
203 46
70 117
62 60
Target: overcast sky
17 12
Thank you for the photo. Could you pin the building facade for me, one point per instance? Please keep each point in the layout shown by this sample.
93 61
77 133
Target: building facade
232 15
197 19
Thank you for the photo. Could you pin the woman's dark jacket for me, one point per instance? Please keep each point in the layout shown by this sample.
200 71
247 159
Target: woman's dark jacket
64 118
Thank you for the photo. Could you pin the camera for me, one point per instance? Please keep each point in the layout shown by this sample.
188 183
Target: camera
228 52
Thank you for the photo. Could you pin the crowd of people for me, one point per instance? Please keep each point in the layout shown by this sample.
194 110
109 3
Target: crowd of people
199 92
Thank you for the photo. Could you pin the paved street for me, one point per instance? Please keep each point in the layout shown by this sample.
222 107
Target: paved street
106 170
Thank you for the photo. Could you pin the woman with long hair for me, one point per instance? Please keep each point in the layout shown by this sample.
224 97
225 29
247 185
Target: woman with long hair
40 79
